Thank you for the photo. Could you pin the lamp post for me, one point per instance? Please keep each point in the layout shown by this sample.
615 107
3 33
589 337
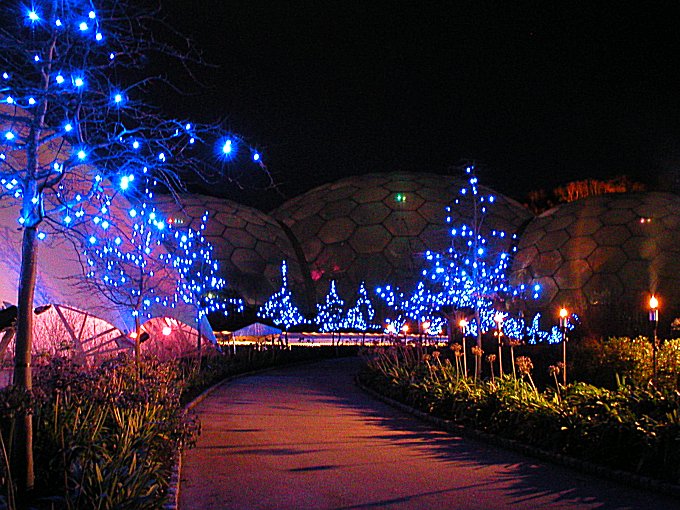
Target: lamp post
462 324
564 317
498 318
654 319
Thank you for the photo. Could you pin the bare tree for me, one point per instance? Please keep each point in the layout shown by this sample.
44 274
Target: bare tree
76 132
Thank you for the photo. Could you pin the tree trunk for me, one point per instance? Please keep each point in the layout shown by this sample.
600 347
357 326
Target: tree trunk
138 343
23 377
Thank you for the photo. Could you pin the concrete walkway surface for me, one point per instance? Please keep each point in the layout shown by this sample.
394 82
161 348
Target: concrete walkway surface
306 437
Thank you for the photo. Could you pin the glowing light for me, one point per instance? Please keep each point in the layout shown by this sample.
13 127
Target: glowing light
81 154
256 157
83 26
653 302
167 330
93 240
462 324
117 98
99 36
564 313
9 135
226 148
42 235
78 82
59 79
68 127
135 144
10 100
5 76
37 58
33 16
31 101
58 22
92 15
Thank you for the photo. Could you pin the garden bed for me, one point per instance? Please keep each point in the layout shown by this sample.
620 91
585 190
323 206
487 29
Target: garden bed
631 429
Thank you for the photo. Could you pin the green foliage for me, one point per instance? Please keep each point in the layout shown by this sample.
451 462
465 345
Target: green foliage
604 363
632 427
105 437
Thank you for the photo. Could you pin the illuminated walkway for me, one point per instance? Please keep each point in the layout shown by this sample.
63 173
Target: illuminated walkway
305 437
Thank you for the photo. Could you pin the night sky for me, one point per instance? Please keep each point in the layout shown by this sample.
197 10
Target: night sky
538 94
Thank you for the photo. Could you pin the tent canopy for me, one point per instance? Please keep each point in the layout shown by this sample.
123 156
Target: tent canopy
257 329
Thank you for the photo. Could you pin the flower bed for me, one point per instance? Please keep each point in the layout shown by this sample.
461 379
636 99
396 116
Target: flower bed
635 429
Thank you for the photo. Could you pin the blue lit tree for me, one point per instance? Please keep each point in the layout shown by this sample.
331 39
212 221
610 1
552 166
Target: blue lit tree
129 266
360 316
469 276
191 254
279 308
330 315
74 133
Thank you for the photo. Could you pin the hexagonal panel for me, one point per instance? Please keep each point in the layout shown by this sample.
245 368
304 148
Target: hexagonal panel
405 223
370 239
369 194
577 248
612 235
369 214
552 241
238 238
337 230
573 274
547 263
337 209
523 258
584 226
607 259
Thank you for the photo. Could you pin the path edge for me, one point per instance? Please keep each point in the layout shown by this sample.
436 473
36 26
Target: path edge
174 485
600 471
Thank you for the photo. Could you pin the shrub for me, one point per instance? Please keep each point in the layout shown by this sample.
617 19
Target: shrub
105 437
634 427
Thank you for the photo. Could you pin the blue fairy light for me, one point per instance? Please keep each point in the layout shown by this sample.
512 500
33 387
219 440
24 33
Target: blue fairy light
227 147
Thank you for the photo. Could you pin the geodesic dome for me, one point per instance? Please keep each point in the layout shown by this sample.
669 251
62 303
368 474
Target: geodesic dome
605 251
376 227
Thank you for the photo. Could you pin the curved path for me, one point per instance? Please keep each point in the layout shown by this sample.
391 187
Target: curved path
305 437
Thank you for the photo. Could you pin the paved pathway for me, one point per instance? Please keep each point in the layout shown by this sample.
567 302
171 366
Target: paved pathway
307 438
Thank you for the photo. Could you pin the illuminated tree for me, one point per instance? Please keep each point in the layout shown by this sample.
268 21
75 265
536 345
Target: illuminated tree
130 267
360 316
200 285
76 131
330 315
279 308
469 276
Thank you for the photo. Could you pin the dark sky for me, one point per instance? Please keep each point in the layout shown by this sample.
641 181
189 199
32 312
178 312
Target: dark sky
539 93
